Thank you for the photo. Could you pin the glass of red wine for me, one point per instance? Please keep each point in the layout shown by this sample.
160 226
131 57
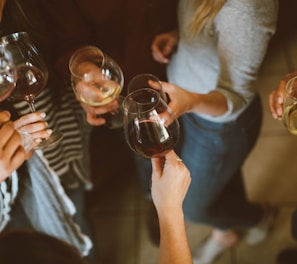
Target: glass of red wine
31 74
8 79
150 127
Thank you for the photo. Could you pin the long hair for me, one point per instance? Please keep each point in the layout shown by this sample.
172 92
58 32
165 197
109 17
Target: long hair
206 10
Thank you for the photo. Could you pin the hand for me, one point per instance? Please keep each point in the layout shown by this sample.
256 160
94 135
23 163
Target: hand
180 99
276 97
35 125
12 154
164 45
93 112
170 182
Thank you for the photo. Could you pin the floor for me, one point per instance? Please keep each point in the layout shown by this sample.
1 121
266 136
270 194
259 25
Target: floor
118 208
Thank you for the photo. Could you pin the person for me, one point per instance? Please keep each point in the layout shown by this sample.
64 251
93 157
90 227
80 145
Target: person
276 106
170 182
124 31
213 61
51 185
36 247
124 34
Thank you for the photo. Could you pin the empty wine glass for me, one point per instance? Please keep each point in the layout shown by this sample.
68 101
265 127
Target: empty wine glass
150 127
146 80
31 74
97 80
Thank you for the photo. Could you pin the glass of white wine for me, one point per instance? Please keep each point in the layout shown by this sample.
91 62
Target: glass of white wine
97 80
290 106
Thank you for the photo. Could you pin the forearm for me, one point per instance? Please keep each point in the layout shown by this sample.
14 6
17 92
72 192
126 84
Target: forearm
213 103
174 247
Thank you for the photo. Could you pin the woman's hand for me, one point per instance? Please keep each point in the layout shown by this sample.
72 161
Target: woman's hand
277 96
93 112
181 100
35 125
12 154
170 182
164 45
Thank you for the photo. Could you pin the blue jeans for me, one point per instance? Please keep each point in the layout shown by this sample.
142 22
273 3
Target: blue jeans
214 154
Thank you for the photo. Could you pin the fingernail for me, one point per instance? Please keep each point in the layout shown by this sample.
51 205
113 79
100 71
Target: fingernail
279 100
274 115
49 131
42 115
38 140
279 112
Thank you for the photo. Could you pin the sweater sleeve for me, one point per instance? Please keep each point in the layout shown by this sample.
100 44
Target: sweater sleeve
244 30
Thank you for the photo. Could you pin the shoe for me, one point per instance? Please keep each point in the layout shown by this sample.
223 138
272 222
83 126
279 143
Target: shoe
214 246
259 233
153 225
208 252
287 256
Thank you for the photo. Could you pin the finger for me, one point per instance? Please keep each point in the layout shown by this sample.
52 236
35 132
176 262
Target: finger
12 145
6 132
29 118
32 128
4 116
95 120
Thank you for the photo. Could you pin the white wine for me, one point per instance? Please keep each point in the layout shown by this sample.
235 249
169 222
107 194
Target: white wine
290 117
99 94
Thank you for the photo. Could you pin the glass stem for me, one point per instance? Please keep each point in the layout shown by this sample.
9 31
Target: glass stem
32 106
30 99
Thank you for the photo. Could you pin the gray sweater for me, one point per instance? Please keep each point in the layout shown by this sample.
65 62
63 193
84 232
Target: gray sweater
229 59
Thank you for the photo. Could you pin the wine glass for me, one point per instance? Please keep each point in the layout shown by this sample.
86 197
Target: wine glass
150 127
7 78
97 80
290 106
7 83
146 80
31 74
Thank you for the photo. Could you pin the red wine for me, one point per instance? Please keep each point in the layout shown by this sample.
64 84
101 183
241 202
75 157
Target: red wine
151 139
30 81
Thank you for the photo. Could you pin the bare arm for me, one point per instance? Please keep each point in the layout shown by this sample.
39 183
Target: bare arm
183 101
170 182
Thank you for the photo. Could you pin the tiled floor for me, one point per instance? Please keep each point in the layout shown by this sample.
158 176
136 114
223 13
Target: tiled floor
118 208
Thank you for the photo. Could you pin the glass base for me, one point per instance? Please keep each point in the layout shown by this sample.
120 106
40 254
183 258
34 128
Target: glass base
55 138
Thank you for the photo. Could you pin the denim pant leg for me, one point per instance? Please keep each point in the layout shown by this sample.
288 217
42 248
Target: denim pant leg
144 172
214 154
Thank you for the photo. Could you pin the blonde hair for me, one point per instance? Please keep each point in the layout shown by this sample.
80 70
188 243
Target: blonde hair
206 10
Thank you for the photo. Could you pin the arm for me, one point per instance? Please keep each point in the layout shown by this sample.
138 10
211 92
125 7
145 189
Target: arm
183 101
170 182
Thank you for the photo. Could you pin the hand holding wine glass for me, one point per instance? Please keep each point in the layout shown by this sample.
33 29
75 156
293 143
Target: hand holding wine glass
151 128
97 80
31 74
